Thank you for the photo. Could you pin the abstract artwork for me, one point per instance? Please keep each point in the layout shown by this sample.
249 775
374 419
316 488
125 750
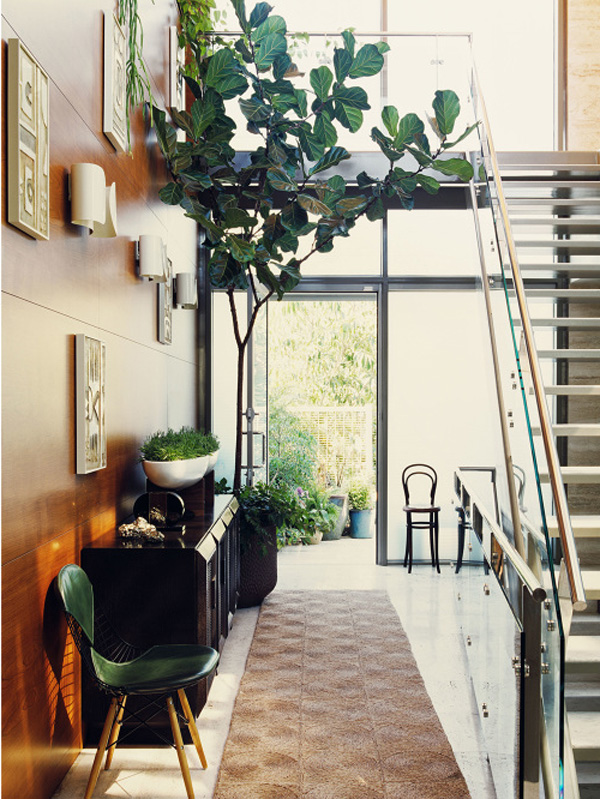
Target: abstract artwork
176 67
165 305
28 143
115 56
90 374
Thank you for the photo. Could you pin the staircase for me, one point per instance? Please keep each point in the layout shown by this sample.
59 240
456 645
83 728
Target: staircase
554 207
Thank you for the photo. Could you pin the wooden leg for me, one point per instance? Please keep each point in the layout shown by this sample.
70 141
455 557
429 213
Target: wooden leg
183 764
106 730
114 733
192 725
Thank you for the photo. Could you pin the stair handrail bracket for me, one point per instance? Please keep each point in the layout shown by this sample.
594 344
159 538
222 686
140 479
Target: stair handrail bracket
567 537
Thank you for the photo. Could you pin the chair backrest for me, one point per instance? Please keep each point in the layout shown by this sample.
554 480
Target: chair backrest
77 597
426 471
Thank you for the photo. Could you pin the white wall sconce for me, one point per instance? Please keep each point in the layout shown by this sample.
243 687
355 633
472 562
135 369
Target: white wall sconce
151 256
185 290
93 203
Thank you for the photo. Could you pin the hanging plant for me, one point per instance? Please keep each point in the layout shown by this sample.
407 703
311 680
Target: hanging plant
137 79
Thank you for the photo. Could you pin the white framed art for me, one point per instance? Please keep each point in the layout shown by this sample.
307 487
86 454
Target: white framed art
90 388
165 305
115 57
28 142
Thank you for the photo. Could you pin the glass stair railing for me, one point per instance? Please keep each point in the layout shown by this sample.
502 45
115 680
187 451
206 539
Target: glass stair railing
538 221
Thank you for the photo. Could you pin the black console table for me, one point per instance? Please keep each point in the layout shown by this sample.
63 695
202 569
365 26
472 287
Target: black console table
182 590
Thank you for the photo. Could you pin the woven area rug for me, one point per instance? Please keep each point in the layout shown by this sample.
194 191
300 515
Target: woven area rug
332 706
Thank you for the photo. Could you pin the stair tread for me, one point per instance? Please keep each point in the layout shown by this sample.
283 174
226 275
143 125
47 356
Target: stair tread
584 650
583 526
571 354
571 269
563 294
573 429
577 474
585 223
575 391
591 583
563 321
580 246
585 734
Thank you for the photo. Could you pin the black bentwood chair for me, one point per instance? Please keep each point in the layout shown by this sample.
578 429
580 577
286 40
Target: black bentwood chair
120 670
421 516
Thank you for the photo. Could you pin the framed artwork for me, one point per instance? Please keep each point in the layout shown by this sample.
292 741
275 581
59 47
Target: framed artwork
176 67
165 305
90 378
115 57
28 142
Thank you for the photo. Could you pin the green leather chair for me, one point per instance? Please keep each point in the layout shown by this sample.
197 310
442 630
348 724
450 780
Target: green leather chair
120 670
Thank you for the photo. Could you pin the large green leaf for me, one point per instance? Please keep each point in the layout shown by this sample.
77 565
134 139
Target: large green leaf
183 120
325 130
390 118
242 251
454 166
337 184
194 177
274 24
353 96
222 269
203 115
447 108
351 205
431 185
237 217
293 217
321 80
331 158
368 61
383 47
409 127
259 14
281 181
281 64
270 47
255 110
470 129
223 75
312 146
385 145
301 102
349 41
351 118
342 62
194 87
376 210
166 135
313 206
240 12
171 194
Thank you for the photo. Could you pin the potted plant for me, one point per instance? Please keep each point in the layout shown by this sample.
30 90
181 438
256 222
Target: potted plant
255 207
361 511
178 459
262 508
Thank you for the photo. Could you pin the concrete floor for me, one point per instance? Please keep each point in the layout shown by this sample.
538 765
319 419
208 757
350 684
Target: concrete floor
426 606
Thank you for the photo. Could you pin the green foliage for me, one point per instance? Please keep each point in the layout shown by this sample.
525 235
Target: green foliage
137 80
292 449
359 497
296 132
264 506
178 445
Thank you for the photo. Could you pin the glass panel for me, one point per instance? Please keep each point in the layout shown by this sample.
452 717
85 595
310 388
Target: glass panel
359 254
441 410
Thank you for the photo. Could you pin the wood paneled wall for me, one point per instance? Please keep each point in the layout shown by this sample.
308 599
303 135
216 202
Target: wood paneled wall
51 291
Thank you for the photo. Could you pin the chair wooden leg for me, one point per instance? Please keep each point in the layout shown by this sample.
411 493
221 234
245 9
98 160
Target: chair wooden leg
114 733
106 730
437 543
183 764
192 725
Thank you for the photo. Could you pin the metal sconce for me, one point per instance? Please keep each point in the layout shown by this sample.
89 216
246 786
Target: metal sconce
151 255
93 203
185 290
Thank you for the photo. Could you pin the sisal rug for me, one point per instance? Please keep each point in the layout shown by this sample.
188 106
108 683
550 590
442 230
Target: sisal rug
332 706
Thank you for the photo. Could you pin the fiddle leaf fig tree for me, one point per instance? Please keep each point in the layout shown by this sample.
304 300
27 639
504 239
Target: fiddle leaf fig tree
266 211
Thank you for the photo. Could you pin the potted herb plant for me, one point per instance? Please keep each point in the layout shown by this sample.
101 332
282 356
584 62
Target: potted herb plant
361 511
178 459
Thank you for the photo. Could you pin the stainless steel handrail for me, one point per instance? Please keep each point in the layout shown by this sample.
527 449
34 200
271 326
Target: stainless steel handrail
526 575
558 490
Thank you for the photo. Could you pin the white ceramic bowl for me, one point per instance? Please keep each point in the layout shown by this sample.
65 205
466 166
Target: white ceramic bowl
176 474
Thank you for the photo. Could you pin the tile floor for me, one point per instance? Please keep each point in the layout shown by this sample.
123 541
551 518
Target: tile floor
425 604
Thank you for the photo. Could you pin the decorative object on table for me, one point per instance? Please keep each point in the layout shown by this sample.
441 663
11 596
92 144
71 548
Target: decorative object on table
165 305
93 203
419 482
163 509
178 459
141 528
115 56
90 371
28 143
361 511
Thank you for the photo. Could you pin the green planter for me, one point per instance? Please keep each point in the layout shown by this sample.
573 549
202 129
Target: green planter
361 523
341 500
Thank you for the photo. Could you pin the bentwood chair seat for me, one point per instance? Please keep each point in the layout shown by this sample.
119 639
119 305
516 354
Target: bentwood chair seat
121 669
421 515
